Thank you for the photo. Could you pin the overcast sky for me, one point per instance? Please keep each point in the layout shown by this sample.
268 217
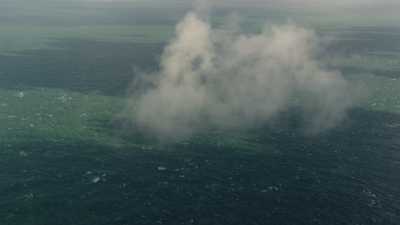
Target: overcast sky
385 12
308 2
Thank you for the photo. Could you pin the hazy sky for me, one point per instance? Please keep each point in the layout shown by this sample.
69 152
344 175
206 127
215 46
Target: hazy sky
374 7
380 6
355 12
300 2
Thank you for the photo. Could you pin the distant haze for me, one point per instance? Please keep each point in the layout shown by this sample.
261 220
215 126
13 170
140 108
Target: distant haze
293 2
376 12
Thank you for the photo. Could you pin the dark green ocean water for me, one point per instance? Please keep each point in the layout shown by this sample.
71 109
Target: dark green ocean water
66 158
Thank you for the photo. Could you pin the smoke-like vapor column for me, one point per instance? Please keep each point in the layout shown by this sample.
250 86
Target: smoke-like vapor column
225 79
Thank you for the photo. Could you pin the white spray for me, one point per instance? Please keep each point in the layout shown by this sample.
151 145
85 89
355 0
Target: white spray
224 79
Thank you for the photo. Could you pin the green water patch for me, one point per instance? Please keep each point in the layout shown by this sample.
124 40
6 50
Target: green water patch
52 115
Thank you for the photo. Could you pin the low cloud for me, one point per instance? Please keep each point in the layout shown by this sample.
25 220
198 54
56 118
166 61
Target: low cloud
221 78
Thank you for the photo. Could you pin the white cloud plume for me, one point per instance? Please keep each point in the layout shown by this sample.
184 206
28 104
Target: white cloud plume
225 79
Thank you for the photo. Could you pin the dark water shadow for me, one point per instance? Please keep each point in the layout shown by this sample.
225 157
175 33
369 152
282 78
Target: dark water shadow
362 41
79 65
346 176
388 73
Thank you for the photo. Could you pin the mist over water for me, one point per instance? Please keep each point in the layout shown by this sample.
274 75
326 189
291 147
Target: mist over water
224 79
219 119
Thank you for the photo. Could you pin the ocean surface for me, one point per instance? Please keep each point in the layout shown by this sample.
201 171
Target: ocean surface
68 157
